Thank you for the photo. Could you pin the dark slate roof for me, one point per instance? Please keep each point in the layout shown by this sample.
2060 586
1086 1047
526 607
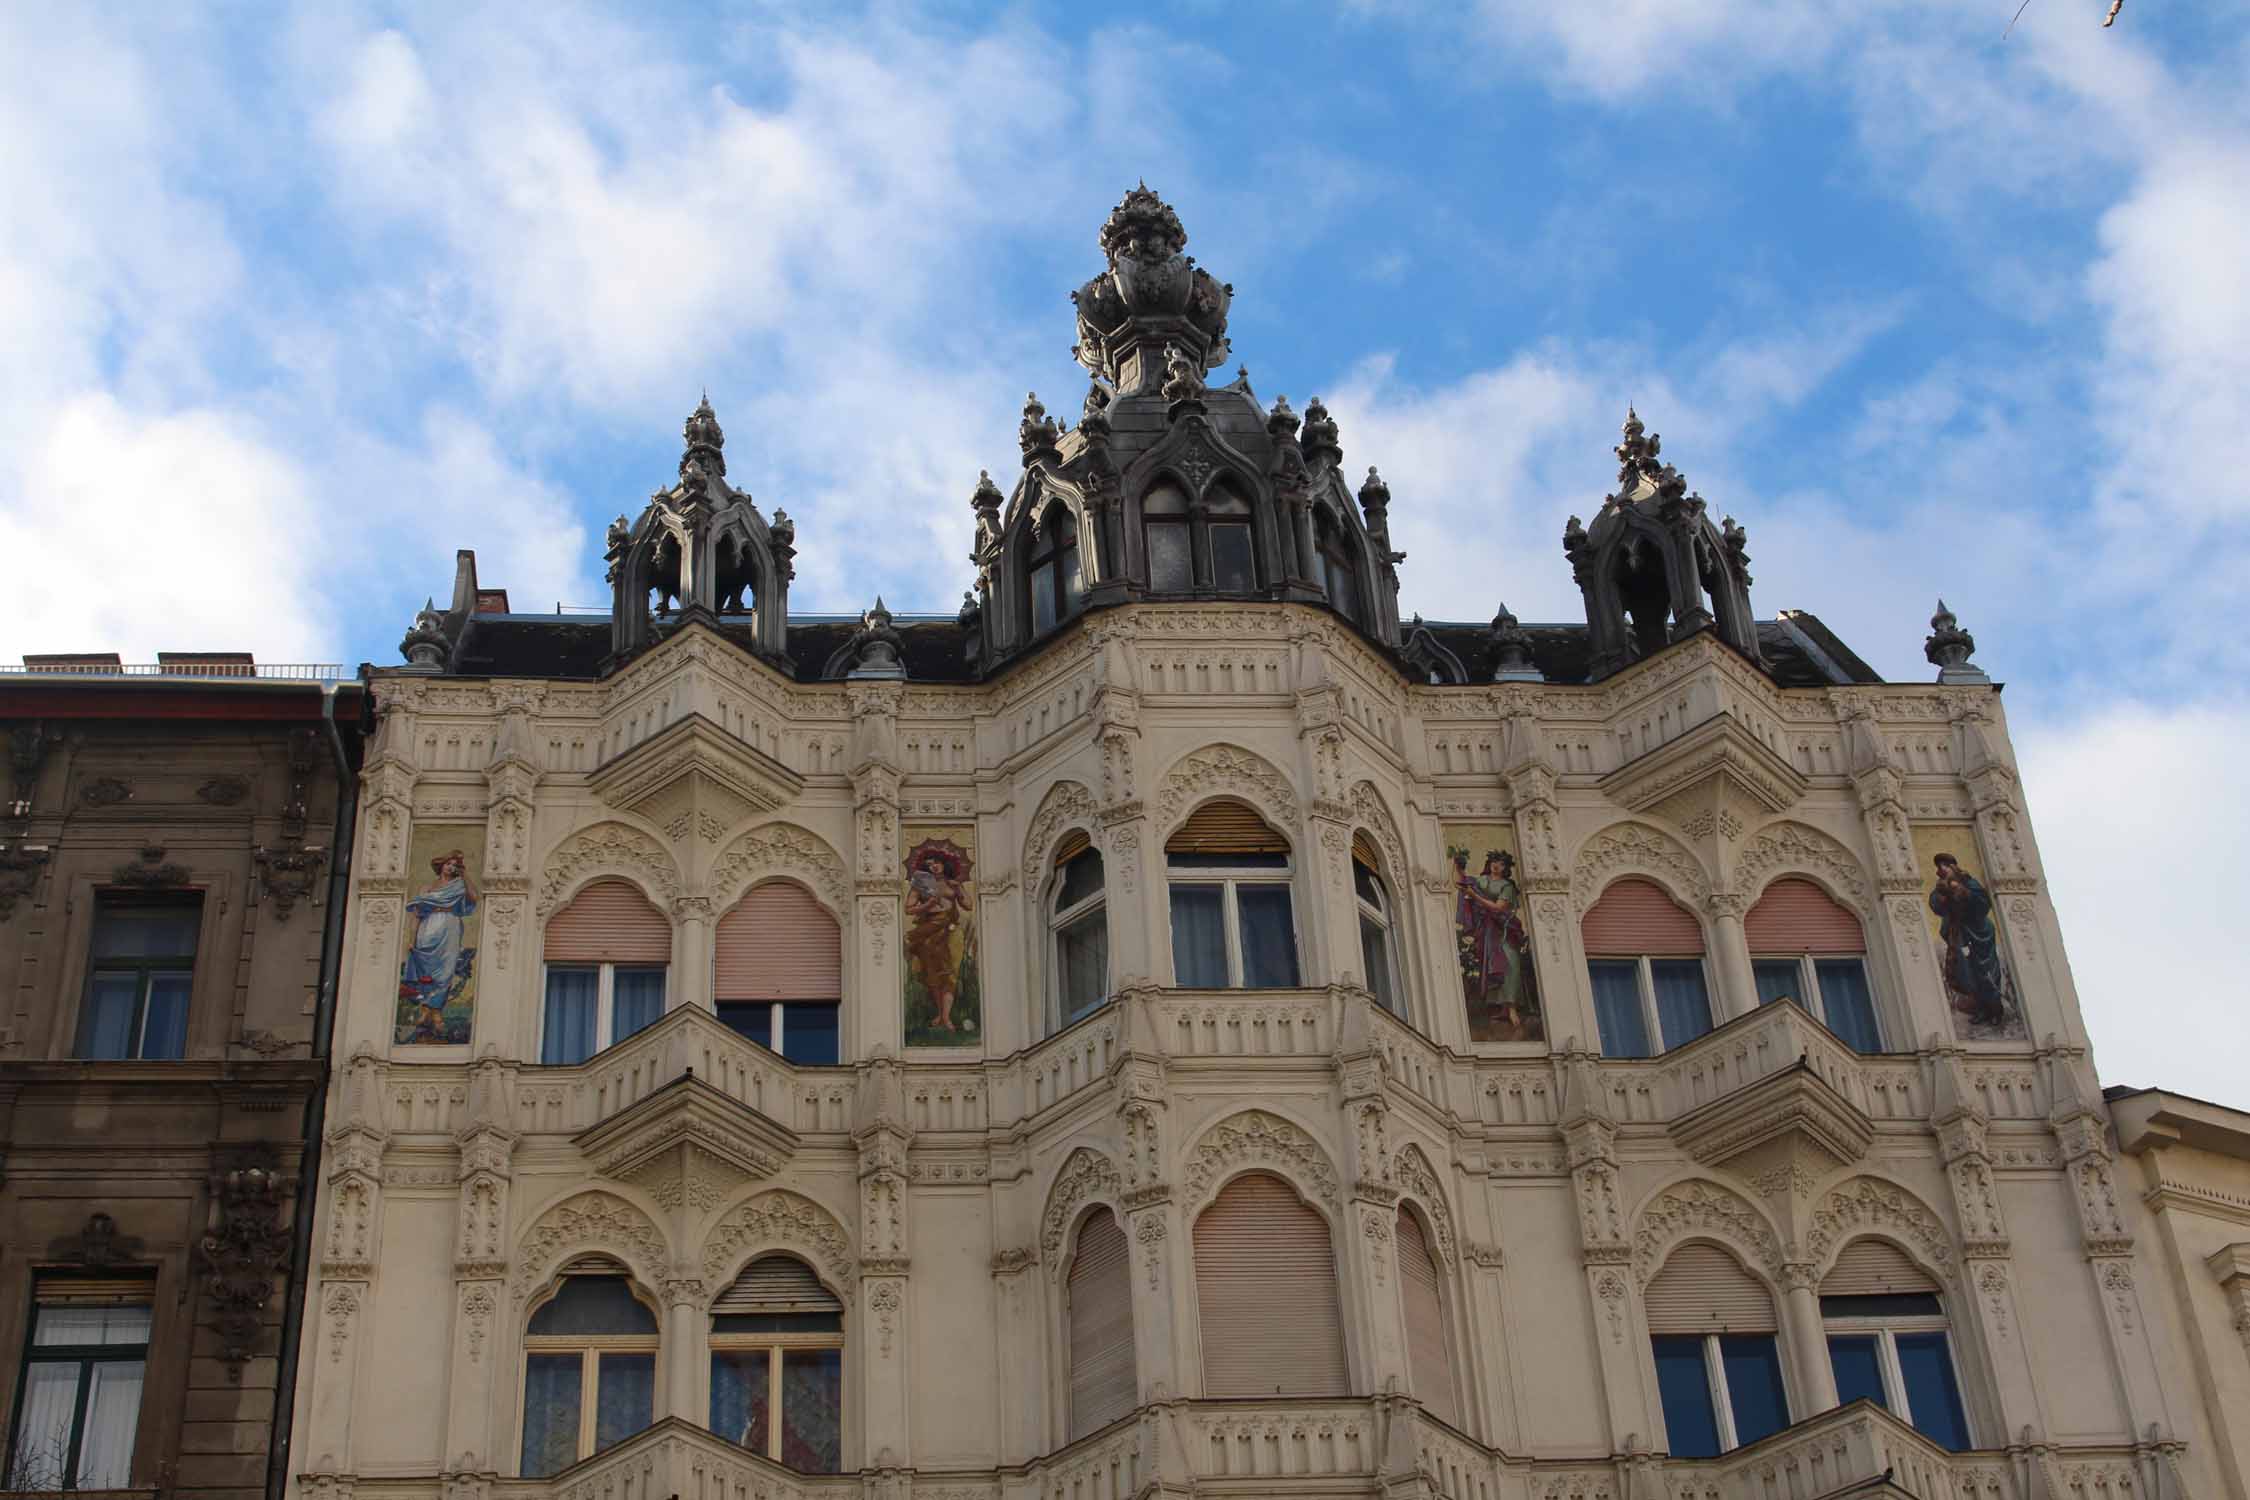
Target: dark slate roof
1800 651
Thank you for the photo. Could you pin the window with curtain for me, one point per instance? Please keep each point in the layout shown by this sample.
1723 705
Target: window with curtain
777 974
140 974
1429 1348
589 1371
1888 1340
1718 1359
78 1403
1232 925
1644 956
777 1365
1078 929
1171 555
1055 576
1806 947
1377 949
1099 1304
1265 1291
607 953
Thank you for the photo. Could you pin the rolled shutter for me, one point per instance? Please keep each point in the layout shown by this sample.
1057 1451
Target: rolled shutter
1428 1363
1102 1378
1796 916
1074 843
776 1285
1363 850
1702 1289
778 943
1635 917
1225 827
1874 1268
1265 1287
609 922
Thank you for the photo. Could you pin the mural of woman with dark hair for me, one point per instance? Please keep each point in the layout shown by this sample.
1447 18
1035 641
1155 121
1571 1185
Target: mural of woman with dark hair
1496 975
1976 974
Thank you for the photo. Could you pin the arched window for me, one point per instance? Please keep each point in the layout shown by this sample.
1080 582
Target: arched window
589 1371
1078 927
1429 1351
1171 558
1887 1340
1711 1327
1056 586
1806 947
1645 957
1100 1296
1232 927
606 956
1333 564
777 1365
1378 950
1265 1289
777 972
1234 559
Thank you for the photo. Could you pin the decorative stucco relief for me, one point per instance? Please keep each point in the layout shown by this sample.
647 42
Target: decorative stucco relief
1255 1139
1087 1177
590 1221
1867 1203
1418 1180
781 849
1067 804
779 1220
1793 848
1636 849
1689 1210
1225 771
607 849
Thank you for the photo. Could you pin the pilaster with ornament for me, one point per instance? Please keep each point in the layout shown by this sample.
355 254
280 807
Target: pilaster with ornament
1371 1207
386 823
1321 735
875 970
349 1236
1987 1251
1545 880
2011 867
1135 899
1144 1127
1880 786
1605 1247
511 778
881 1136
2082 1134
486 1175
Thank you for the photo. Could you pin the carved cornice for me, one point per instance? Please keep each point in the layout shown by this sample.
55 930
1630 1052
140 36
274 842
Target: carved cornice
1790 1118
695 769
1720 753
688 1140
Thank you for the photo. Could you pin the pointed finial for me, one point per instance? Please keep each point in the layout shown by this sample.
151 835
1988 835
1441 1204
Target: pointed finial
1374 495
1949 647
706 442
1511 650
1322 442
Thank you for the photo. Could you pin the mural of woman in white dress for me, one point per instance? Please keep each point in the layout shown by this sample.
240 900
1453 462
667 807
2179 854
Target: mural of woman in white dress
435 997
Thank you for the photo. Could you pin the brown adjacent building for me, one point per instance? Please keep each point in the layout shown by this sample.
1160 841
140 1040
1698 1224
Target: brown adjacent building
169 845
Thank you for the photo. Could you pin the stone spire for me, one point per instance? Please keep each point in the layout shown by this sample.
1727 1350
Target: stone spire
1511 650
1949 648
1152 295
705 441
1323 446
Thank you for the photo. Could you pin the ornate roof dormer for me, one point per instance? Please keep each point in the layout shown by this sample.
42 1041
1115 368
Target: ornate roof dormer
1654 568
1151 296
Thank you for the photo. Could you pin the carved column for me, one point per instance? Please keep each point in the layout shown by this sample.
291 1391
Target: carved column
1134 914
881 1135
1143 1122
1561 972
1371 1208
1905 932
873 973
349 1236
386 822
684 1396
1808 1343
510 780
480 1261
1590 1148
690 979
1730 951
1987 1252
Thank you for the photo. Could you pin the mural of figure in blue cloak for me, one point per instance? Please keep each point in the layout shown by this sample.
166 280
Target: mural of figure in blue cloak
1976 974
439 964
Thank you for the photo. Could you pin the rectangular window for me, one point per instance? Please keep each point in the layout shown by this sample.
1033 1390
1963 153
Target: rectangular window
1720 1390
1082 955
1683 1005
1042 599
1637 999
79 1410
593 1006
1833 989
1169 568
1893 1350
1255 950
1233 571
1683 1380
1199 937
1375 956
807 1032
140 974
1269 937
1617 1006
1858 1367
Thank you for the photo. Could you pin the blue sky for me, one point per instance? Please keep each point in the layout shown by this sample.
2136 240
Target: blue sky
293 304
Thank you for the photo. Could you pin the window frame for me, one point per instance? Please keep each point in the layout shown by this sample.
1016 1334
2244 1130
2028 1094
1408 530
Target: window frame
1645 985
1884 1328
144 969
590 1347
772 1343
1391 994
605 1001
1808 983
1228 878
1054 535
85 1357
1060 921
1722 1395
778 1028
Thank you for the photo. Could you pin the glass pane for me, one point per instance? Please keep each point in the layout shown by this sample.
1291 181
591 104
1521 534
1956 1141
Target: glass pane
1269 938
740 1391
1343 588
636 1000
569 1034
164 1028
1232 569
624 1398
91 1325
106 1030
1082 957
1369 888
1617 1006
810 1034
594 1304
1072 587
1375 953
146 931
1199 940
1168 566
1931 1394
1081 878
1846 1004
1691 1425
50 1396
812 1410
1683 1006
1754 1388
1778 979
113 1416
1883 1305
751 1020
1859 1370
550 1413
1043 597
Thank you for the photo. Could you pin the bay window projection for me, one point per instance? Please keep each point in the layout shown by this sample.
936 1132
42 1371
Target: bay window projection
140 974
1888 1340
1078 932
1714 1337
777 1365
607 954
1232 924
1807 947
1099 1300
1644 954
1265 1292
78 1403
589 1370
778 973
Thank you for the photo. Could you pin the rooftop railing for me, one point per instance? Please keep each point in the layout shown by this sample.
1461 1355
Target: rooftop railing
295 671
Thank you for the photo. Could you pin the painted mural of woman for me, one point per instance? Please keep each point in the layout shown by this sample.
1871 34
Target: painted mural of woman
1496 973
439 964
940 942
1977 980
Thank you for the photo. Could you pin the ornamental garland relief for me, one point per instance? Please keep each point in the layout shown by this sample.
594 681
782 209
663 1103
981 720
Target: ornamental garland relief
1067 804
1636 848
780 1219
781 849
590 1221
1870 1204
607 848
1225 770
1086 1177
1255 1139
1693 1208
